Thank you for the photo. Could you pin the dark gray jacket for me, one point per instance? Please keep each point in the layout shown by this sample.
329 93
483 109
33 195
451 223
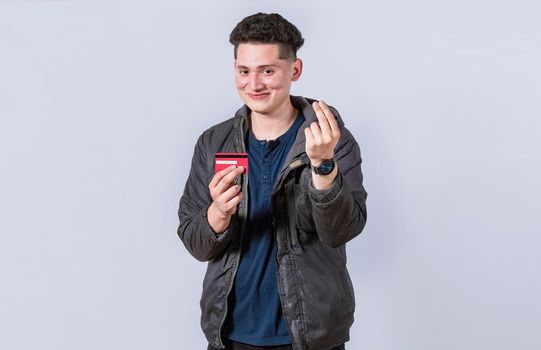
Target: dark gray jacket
311 228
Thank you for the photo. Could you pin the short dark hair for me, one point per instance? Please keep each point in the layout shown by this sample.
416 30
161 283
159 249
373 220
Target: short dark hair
262 28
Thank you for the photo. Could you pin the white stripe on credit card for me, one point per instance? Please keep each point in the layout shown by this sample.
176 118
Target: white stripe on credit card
226 162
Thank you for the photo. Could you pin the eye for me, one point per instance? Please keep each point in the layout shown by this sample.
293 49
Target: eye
243 72
268 71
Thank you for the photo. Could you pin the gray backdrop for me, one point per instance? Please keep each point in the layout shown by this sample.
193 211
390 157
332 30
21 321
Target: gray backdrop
101 104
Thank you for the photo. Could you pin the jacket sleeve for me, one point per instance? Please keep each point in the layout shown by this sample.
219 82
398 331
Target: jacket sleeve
340 212
194 229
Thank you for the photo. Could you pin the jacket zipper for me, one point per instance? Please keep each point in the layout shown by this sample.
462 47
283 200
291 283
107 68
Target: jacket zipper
232 279
279 280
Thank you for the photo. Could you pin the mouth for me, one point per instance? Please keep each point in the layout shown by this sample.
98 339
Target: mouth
258 96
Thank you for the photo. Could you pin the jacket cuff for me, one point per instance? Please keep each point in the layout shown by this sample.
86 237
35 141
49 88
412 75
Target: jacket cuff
209 232
328 195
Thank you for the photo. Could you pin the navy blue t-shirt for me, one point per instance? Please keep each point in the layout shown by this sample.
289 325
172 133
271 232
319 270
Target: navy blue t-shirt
255 313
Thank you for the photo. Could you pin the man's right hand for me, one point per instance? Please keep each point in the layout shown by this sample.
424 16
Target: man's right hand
226 196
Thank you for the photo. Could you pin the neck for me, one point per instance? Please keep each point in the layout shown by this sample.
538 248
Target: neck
271 126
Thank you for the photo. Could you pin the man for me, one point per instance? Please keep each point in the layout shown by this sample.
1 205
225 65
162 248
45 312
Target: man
274 233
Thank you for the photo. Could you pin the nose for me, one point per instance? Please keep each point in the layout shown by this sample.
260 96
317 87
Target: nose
254 83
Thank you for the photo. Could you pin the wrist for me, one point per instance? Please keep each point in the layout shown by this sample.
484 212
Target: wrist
324 167
217 220
317 161
324 182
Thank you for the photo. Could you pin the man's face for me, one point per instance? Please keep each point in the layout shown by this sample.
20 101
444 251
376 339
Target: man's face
263 79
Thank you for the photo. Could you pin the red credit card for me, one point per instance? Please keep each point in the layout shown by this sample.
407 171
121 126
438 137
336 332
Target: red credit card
225 160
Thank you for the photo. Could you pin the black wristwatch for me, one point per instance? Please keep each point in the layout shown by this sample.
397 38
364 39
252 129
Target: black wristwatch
325 168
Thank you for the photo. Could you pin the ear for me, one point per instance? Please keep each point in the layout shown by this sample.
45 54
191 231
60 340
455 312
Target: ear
297 69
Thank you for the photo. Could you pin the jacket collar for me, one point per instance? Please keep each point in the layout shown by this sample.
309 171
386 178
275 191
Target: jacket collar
302 103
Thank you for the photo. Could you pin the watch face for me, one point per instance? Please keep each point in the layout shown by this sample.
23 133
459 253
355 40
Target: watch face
326 167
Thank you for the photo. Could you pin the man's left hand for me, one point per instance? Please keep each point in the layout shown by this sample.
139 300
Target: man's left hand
323 135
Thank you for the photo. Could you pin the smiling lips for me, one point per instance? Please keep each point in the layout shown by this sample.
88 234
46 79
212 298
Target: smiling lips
257 96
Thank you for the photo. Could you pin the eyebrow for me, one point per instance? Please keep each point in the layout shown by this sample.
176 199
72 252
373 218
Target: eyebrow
261 66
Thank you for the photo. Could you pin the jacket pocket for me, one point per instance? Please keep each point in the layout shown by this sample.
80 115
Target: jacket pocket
303 204
348 288
303 214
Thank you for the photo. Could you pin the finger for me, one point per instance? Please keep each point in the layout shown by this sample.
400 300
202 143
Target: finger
309 136
331 119
322 118
220 174
233 202
230 193
224 185
316 132
228 179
